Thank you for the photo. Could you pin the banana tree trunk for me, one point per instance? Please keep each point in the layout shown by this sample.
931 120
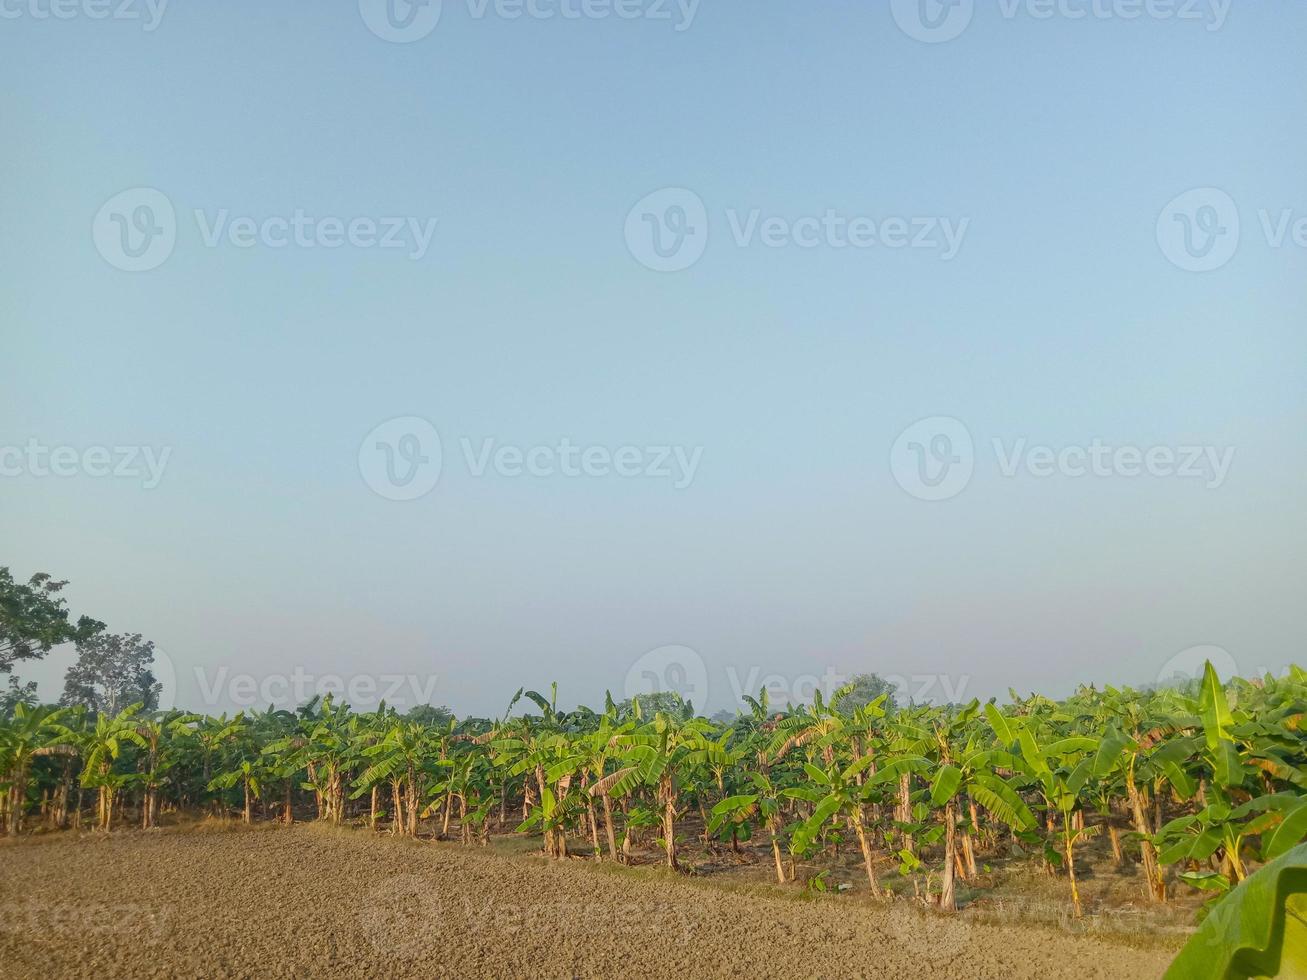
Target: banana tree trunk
968 856
1069 845
948 901
17 798
856 819
1153 879
1115 836
608 828
412 801
594 828
668 793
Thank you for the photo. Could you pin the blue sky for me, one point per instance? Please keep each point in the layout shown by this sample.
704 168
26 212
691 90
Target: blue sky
529 319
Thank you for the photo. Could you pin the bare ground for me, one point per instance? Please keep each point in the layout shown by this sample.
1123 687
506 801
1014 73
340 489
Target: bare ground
306 902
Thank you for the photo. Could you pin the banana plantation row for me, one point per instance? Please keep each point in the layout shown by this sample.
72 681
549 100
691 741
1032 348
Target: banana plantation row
1194 785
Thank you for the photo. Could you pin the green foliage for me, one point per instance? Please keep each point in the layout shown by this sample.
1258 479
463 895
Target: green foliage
34 619
1258 930
1038 777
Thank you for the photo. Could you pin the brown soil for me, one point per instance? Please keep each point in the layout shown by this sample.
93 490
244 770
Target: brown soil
310 902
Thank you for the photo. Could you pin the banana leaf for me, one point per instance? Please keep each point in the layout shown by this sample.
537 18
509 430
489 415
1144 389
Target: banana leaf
1258 930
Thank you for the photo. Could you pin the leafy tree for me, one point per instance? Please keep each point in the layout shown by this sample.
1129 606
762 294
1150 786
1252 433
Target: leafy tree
862 690
17 694
112 670
648 705
34 619
430 716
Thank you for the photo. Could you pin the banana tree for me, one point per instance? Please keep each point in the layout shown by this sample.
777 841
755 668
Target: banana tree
249 774
100 746
1059 769
30 733
398 758
765 802
662 755
162 734
958 764
838 799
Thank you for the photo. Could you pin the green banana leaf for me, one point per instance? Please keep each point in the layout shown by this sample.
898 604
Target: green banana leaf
1258 930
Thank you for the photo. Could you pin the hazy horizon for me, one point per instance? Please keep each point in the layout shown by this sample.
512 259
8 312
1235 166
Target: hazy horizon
496 351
